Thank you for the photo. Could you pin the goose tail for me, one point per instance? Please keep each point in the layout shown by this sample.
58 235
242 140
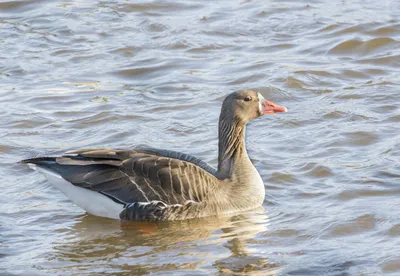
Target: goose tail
91 201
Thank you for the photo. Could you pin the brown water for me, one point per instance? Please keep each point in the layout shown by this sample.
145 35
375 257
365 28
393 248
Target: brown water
117 74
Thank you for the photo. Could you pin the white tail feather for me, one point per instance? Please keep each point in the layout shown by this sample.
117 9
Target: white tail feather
92 202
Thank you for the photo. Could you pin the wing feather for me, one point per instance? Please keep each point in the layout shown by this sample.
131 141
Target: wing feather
139 175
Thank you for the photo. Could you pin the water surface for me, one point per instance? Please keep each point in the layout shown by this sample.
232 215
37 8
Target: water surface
78 74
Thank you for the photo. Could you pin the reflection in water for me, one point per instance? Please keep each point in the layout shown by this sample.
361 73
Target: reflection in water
241 261
143 247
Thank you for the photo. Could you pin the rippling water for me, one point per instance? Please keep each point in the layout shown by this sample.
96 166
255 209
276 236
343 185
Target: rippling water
118 74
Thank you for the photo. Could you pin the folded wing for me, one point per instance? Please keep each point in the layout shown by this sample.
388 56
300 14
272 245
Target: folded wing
138 175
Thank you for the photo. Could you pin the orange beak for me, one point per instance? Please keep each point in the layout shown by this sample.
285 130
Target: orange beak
271 108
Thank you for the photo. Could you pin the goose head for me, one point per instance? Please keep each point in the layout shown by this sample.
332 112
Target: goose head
246 105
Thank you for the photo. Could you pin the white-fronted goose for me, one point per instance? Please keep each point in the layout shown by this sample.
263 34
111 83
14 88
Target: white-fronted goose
152 184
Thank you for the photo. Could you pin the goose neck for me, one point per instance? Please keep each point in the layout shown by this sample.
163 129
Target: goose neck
232 148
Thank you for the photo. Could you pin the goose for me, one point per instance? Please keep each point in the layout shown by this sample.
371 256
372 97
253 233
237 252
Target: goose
148 184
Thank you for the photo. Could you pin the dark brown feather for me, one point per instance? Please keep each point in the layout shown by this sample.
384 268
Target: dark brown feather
135 175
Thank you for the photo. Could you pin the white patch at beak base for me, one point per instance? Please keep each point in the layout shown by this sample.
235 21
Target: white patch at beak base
260 100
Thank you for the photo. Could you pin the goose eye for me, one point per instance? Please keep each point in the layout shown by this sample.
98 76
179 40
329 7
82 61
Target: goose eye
247 99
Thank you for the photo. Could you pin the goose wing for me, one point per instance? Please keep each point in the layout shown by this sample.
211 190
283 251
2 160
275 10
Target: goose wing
129 176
